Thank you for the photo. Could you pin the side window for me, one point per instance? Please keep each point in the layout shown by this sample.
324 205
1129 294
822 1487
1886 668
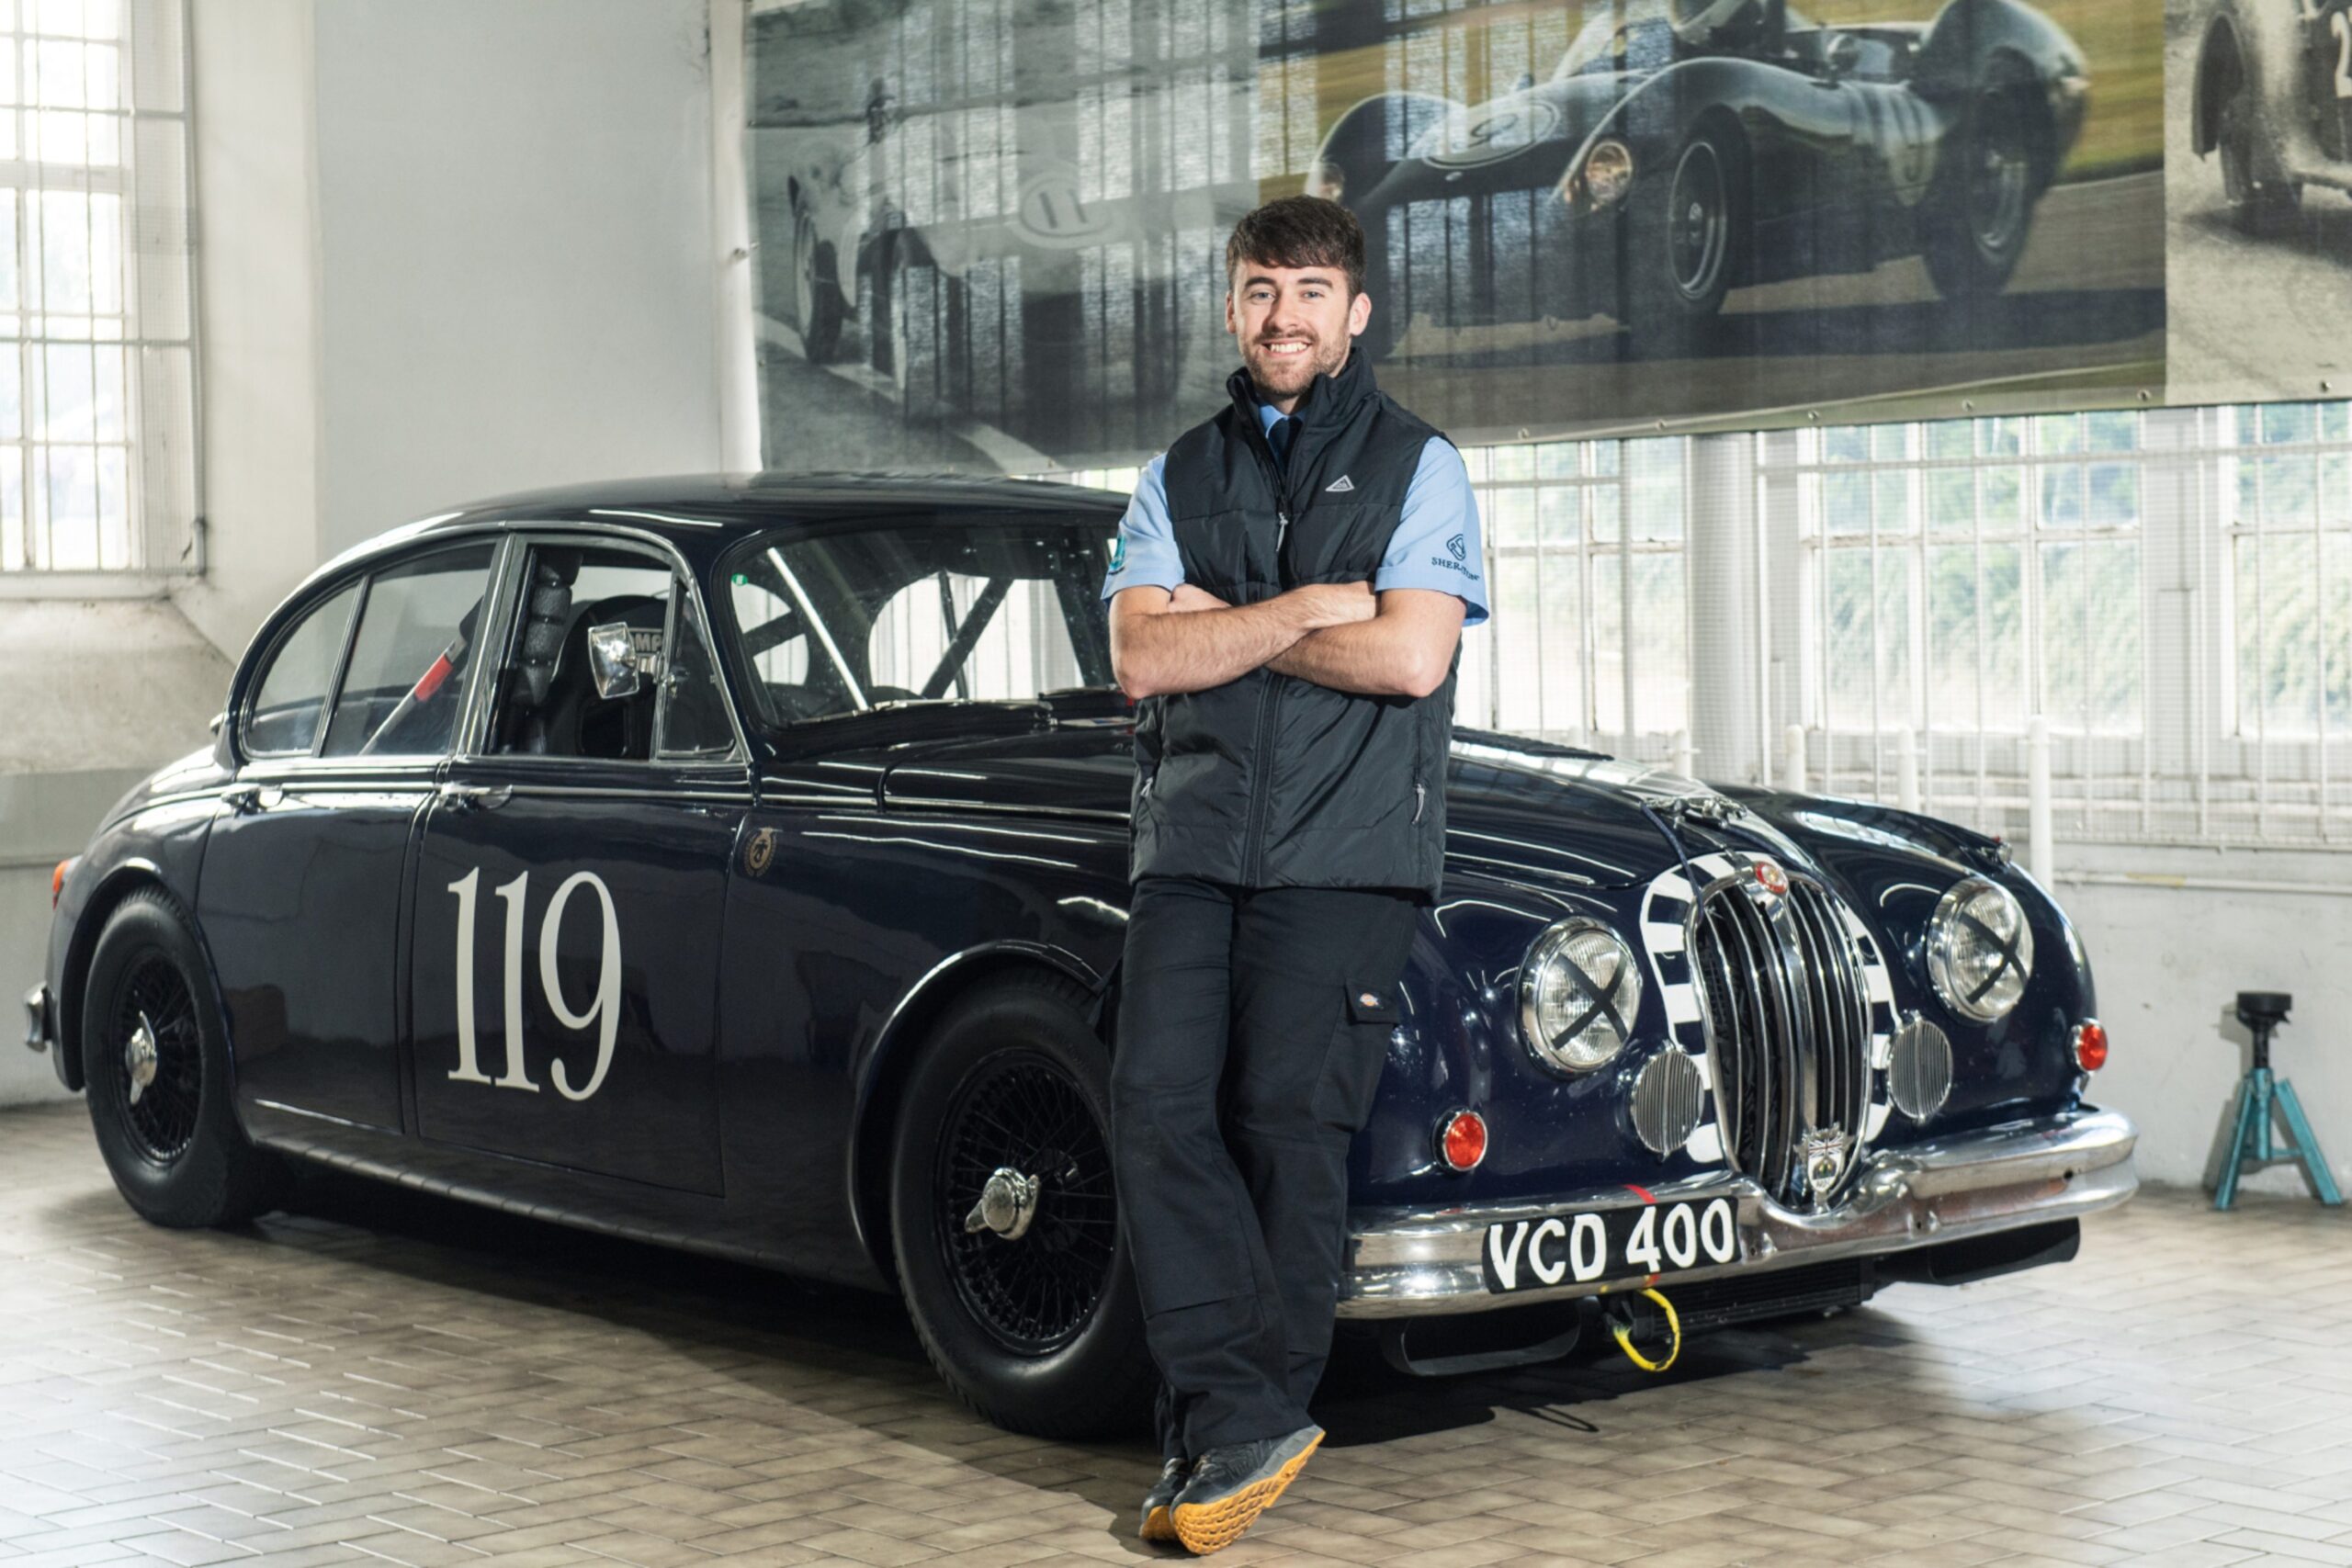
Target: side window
595 671
401 694
283 718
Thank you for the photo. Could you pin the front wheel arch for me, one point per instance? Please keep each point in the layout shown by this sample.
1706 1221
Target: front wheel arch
120 884
890 1064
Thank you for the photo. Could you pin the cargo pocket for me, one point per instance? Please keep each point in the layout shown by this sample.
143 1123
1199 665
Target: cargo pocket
1368 1015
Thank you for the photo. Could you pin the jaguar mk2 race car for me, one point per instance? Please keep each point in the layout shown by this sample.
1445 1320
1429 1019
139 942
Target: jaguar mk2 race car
2273 96
1682 148
742 865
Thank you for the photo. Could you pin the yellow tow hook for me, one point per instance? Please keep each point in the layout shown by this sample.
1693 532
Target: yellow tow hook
1623 1333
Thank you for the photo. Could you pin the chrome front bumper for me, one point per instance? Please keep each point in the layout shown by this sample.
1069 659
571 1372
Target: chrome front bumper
1410 1263
38 1029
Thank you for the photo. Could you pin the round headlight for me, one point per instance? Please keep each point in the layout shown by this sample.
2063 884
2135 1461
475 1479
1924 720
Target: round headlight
1578 994
1609 173
1980 950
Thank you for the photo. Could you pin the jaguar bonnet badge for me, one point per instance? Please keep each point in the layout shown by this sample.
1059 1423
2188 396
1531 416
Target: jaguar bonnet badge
1821 1154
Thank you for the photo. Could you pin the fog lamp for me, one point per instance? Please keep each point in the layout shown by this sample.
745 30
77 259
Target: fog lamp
2090 1045
1462 1143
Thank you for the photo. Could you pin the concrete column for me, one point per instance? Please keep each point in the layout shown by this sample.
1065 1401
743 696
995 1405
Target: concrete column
1721 561
1782 599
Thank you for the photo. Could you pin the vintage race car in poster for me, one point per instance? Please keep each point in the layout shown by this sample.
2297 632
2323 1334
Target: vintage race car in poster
2273 99
740 864
1683 148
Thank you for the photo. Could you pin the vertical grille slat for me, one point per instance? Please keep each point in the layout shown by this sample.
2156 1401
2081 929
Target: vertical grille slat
1787 1015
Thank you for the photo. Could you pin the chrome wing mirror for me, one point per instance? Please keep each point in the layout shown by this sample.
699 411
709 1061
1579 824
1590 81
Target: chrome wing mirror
624 658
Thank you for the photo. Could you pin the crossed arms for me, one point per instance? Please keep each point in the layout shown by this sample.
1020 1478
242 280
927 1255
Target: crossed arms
1398 641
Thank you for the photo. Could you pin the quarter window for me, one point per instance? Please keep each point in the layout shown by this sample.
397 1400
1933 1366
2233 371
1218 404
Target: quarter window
284 719
402 690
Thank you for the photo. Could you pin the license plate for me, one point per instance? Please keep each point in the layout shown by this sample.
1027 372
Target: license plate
1576 1247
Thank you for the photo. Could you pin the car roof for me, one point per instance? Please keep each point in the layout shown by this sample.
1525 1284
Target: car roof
703 513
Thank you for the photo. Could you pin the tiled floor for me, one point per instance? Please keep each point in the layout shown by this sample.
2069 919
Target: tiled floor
380 1376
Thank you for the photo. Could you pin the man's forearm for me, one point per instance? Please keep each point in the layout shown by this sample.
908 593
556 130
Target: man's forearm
1190 653
1367 656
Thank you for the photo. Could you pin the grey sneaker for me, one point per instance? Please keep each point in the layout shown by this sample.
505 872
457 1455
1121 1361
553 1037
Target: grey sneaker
1232 1484
1157 1525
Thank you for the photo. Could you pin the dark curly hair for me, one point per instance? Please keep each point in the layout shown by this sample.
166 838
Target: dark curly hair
1299 230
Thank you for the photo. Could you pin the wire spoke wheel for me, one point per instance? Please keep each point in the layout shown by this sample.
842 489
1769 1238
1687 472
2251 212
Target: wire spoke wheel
1699 221
154 1047
1999 179
1032 1283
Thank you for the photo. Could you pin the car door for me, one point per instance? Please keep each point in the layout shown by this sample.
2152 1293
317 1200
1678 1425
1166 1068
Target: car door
340 737
571 878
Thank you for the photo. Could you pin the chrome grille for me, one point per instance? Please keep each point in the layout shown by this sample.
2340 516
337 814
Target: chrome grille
1788 1022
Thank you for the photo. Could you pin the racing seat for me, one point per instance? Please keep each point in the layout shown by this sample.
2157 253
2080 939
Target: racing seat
547 610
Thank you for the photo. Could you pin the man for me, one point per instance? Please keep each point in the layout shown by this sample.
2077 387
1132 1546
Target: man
1287 597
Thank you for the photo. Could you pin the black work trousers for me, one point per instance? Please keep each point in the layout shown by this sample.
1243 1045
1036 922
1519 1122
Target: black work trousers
1253 1024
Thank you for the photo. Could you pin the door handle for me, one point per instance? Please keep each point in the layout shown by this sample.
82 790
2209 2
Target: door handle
246 799
475 797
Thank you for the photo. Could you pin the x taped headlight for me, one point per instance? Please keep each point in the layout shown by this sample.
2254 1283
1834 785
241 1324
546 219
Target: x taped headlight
1980 950
1578 992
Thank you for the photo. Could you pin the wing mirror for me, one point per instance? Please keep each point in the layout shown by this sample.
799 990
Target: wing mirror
624 658
1844 53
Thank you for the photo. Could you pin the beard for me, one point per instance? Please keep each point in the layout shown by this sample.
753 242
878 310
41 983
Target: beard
1286 376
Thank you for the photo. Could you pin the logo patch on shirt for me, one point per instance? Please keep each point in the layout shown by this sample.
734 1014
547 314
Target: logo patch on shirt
1457 548
1118 553
1340 486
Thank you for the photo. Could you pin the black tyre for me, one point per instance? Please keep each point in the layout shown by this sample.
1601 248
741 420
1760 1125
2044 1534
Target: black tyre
816 291
1688 235
155 1060
2259 204
1025 1302
1981 207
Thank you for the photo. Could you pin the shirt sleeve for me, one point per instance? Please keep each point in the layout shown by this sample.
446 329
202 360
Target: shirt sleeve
1144 555
1436 543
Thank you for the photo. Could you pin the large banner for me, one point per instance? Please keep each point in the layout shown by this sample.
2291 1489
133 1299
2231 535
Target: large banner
990 230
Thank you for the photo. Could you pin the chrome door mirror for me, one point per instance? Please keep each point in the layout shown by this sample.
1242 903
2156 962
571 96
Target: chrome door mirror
623 658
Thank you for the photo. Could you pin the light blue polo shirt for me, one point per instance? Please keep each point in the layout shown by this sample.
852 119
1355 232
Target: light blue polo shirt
1436 543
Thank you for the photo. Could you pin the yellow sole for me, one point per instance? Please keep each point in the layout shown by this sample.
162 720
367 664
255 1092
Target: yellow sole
1157 1526
1205 1527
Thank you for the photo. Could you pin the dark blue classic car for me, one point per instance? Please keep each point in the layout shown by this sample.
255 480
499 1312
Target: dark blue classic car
742 865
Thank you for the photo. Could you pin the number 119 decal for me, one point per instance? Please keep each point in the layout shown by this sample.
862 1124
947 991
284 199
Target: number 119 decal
604 1015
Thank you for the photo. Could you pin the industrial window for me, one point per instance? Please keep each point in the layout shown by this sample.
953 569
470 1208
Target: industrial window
1588 639
96 322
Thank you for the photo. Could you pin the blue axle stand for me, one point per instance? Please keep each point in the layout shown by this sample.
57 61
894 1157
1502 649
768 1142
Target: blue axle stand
2262 1097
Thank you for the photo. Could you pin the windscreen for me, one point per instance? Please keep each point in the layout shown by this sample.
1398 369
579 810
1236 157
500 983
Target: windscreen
937 609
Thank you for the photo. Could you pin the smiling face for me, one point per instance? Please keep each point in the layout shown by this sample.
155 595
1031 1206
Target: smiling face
1294 324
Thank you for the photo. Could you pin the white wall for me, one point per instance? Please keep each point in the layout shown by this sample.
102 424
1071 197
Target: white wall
515 245
2169 963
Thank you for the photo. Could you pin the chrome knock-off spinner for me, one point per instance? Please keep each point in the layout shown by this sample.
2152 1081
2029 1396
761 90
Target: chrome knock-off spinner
1008 1203
138 1058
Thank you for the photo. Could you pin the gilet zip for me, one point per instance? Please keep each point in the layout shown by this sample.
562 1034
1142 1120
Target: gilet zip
1253 834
